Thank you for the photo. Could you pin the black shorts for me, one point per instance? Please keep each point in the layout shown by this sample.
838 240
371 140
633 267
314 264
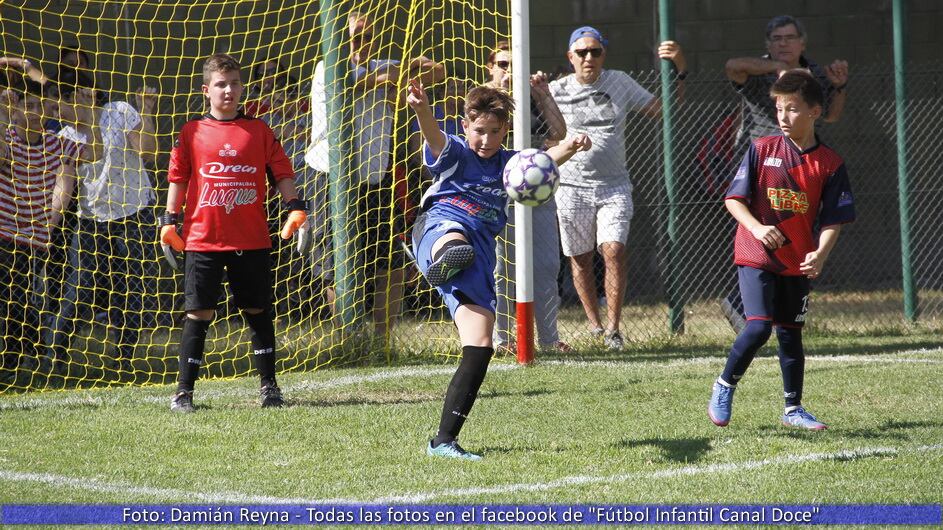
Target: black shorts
249 273
769 296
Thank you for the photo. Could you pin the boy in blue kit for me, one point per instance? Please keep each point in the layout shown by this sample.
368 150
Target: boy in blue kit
785 187
454 238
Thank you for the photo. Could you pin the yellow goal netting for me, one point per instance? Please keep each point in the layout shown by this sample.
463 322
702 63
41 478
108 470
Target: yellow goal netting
93 302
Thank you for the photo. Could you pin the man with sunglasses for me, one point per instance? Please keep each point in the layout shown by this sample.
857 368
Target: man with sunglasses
377 221
594 201
752 78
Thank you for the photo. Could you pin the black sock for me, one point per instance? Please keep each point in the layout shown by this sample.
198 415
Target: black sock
754 335
447 245
792 363
192 343
463 389
263 344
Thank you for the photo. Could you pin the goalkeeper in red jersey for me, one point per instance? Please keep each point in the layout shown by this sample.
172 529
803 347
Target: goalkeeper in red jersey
219 169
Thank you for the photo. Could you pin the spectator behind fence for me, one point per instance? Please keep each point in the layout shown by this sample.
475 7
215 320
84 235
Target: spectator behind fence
790 198
72 59
546 128
752 78
377 222
221 169
594 201
116 226
37 176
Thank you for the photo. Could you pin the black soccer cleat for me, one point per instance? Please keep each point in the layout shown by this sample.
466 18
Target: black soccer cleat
182 402
271 396
451 262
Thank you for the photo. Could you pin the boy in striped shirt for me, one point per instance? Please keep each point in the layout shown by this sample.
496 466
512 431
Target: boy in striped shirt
37 175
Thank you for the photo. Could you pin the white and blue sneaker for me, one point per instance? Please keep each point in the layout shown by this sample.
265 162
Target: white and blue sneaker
800 418
720 406
451 450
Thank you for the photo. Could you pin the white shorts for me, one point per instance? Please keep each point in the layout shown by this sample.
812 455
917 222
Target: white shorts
593 216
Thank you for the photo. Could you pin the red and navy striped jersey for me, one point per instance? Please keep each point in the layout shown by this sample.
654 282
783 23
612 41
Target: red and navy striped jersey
792 190
225 165
27 181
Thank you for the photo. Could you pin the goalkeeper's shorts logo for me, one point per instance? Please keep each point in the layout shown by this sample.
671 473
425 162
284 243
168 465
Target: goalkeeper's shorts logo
197 362
263 351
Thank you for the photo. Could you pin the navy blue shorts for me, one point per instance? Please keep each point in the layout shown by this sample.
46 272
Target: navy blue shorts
472 286
249 273
784 300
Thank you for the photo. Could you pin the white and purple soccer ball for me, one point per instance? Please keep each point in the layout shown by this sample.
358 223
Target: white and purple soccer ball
531 177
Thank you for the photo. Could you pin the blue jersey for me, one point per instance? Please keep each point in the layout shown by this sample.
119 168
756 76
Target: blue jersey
468 188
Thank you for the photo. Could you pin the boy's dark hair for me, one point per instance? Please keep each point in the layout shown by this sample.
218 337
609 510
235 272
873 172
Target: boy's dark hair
799 81
783 21
486 100
32 88
72 80
219 62
74 48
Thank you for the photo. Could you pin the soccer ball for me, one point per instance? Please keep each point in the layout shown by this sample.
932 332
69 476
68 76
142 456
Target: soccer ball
531 177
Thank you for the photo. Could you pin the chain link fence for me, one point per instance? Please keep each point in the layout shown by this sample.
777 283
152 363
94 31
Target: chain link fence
861 289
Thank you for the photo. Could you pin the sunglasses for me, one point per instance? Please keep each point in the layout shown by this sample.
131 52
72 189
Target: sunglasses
504 65
595 52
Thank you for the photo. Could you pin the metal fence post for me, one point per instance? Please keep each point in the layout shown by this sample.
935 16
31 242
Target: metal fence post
903 171
673 284
340 138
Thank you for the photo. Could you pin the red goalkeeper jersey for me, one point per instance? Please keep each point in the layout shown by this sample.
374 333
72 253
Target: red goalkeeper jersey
794 191
226 165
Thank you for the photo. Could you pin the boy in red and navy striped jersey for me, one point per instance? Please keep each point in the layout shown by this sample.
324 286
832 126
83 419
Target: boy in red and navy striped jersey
37 175
786 186
220 167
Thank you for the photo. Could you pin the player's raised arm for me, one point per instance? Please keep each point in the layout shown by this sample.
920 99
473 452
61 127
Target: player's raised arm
417 99
563 151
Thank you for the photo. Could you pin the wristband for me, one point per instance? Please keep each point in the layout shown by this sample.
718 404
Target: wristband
169 218
681 76
297 204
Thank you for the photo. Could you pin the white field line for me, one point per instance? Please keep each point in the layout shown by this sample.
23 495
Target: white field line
709 469
155 494
167 495
95 398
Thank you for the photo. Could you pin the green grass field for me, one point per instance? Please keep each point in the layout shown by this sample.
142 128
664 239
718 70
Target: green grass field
603 429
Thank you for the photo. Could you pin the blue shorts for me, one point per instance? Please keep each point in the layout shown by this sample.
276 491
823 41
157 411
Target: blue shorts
472 286
784 300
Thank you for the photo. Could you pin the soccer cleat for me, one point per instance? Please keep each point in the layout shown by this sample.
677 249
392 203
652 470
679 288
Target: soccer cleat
271 396
802 419
614 341
451 450
451 262
720 406
182 402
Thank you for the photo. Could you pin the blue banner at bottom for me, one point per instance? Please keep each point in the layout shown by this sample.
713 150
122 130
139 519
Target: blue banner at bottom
446 514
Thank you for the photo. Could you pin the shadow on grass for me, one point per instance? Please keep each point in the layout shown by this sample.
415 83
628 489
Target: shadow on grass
888 430
677 450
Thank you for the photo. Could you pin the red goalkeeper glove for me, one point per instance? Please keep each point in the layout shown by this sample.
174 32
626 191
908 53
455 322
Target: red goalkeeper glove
297 224
170 240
